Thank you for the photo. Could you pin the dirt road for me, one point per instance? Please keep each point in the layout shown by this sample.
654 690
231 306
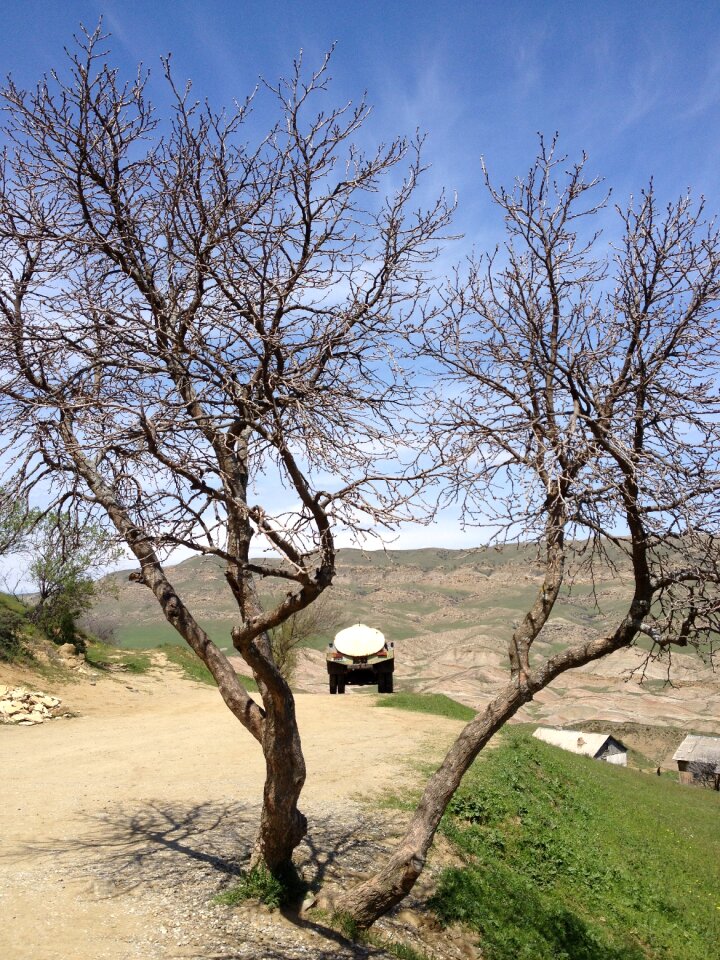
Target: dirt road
119 825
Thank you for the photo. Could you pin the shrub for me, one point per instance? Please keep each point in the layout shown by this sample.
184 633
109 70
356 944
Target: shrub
11 643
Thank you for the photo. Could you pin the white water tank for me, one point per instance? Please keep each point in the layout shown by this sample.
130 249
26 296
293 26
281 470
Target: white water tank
359 641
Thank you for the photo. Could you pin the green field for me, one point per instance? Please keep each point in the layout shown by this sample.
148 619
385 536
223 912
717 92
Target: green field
147 636
144 636
569 858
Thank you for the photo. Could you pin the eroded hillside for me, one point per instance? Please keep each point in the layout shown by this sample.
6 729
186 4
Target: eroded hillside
451 614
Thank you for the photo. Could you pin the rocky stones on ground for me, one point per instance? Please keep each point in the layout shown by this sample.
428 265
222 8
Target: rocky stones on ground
70 654
26 707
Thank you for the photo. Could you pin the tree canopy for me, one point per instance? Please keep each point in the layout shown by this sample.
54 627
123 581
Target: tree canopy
187 321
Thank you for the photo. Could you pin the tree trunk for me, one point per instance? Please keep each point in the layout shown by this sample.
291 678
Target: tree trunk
282 825
396 877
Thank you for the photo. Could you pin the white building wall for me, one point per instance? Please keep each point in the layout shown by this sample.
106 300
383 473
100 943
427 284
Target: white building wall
619 759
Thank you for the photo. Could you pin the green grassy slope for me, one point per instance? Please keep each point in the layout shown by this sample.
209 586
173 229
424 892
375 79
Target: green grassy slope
9 602
15 629
572 859
435 703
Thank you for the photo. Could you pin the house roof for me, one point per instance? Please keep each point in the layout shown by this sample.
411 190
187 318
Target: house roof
576 741
699 750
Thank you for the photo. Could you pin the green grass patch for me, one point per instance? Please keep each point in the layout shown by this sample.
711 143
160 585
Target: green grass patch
465 623
400 631
319 641
400 950
260 884
9 602
136 662
146 636
105 657
572 859
436 703
194 668
452 593
415 608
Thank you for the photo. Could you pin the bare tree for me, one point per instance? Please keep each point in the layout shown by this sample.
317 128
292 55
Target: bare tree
188 322
580 409
292 634
185 319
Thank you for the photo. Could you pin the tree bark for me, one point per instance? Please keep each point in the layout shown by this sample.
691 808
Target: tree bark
396 877
282 825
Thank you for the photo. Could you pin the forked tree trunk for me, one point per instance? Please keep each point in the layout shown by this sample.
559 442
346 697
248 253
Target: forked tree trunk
282 826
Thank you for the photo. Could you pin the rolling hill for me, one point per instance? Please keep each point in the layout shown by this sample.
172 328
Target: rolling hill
450 614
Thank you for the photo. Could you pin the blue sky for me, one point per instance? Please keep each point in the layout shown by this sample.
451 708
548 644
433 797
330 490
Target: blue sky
636 84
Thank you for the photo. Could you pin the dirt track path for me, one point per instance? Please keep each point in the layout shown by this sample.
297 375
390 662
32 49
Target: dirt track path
118 825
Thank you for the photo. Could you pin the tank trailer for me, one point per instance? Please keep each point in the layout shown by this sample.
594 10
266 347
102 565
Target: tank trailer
360 655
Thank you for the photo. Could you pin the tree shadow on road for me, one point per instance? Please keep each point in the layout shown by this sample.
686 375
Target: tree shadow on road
160 841
137 844
190 853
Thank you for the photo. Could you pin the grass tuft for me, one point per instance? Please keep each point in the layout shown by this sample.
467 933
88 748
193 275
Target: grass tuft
436 703
346 925
274 890
400 950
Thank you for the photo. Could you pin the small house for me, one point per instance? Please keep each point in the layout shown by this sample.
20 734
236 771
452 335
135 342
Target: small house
698 760
599 746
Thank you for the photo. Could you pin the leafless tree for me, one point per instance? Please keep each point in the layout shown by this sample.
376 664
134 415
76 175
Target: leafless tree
187 322
580 408
287 639
704 774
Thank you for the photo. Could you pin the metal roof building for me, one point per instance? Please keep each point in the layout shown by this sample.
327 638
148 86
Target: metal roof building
600 746
698 760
